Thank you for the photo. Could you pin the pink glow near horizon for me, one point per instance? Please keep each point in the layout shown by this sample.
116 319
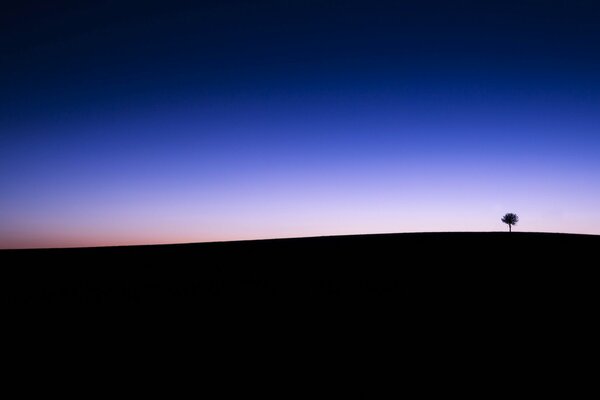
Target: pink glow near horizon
285 210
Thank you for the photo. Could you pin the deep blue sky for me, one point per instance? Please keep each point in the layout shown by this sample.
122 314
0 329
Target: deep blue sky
144 122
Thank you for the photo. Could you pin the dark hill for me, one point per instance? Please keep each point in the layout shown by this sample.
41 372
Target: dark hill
475 312
426 267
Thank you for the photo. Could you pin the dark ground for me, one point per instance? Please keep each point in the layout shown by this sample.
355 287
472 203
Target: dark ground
411 272
439 312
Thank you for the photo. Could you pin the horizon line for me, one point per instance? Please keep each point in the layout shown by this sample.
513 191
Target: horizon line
291 238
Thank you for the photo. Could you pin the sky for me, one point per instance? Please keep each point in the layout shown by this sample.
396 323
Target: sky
125 122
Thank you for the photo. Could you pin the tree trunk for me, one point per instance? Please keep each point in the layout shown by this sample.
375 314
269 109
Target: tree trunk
509 228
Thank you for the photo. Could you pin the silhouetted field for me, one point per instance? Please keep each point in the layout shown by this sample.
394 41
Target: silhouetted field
493 310
419 269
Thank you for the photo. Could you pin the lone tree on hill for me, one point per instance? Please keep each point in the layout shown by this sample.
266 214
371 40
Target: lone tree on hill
510 219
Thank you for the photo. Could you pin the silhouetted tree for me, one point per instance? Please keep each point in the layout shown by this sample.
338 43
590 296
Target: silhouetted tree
510 219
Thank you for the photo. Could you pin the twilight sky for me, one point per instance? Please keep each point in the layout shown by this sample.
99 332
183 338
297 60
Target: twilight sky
126 122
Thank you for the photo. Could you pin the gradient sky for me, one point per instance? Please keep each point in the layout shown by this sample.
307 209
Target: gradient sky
127 122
